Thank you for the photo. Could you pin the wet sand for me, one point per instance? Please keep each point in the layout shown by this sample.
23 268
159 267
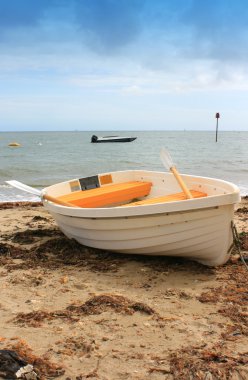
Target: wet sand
79 313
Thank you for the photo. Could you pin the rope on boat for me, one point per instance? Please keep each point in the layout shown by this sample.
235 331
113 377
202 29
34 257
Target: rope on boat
237 243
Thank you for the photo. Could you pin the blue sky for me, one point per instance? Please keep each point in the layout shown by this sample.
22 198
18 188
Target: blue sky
123 64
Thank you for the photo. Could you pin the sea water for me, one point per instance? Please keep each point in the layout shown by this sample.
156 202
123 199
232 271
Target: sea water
45 158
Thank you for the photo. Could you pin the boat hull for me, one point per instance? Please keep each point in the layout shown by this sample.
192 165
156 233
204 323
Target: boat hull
202 235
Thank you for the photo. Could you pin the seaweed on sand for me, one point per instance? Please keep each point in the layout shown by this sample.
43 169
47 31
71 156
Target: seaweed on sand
243 239
232 296
30 236
201 363
242 210
103 302
9 251
42 365
56 250
93 306
8 205
72 345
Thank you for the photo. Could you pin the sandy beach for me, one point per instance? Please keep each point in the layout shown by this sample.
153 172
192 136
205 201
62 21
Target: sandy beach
78 313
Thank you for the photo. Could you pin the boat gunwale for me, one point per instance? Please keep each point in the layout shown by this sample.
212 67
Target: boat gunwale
138 211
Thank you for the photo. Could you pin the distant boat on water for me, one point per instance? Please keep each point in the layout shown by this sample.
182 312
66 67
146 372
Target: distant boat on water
15 144
104 139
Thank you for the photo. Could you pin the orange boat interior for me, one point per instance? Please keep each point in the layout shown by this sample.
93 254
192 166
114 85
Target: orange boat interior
127 193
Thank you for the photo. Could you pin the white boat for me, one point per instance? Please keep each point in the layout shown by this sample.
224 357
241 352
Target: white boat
145 212
105 139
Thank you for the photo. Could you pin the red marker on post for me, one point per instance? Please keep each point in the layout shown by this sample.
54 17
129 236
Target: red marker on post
217 118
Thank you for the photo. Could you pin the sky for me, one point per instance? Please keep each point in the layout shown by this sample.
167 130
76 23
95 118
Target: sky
95 65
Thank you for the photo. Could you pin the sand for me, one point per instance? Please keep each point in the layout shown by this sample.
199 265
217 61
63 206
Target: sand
79 313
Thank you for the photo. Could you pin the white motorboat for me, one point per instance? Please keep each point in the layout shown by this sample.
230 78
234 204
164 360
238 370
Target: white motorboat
105 139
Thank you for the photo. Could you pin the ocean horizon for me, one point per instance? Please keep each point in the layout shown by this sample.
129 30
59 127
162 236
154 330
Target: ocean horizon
45 158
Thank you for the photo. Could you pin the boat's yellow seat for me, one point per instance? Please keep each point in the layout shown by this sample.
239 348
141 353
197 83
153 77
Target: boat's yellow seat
108 195
167 198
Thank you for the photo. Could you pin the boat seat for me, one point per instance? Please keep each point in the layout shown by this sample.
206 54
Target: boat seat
107 195
167 198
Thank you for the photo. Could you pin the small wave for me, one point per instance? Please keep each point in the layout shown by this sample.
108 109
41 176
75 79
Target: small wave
18 197
11 194
4 186
243 190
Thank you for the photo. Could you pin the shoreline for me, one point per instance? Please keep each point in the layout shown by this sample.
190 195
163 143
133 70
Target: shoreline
76 312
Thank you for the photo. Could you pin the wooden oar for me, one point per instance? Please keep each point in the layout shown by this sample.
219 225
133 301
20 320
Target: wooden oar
29 189
168 163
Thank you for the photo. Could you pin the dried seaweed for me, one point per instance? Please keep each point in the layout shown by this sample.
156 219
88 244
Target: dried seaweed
9 205
94 306
42 366
75 345
243 240
69 252
101 303
30 236
39 218
8 250
232 296
238 316
141 307
61 251
242 210
198 362
34 318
